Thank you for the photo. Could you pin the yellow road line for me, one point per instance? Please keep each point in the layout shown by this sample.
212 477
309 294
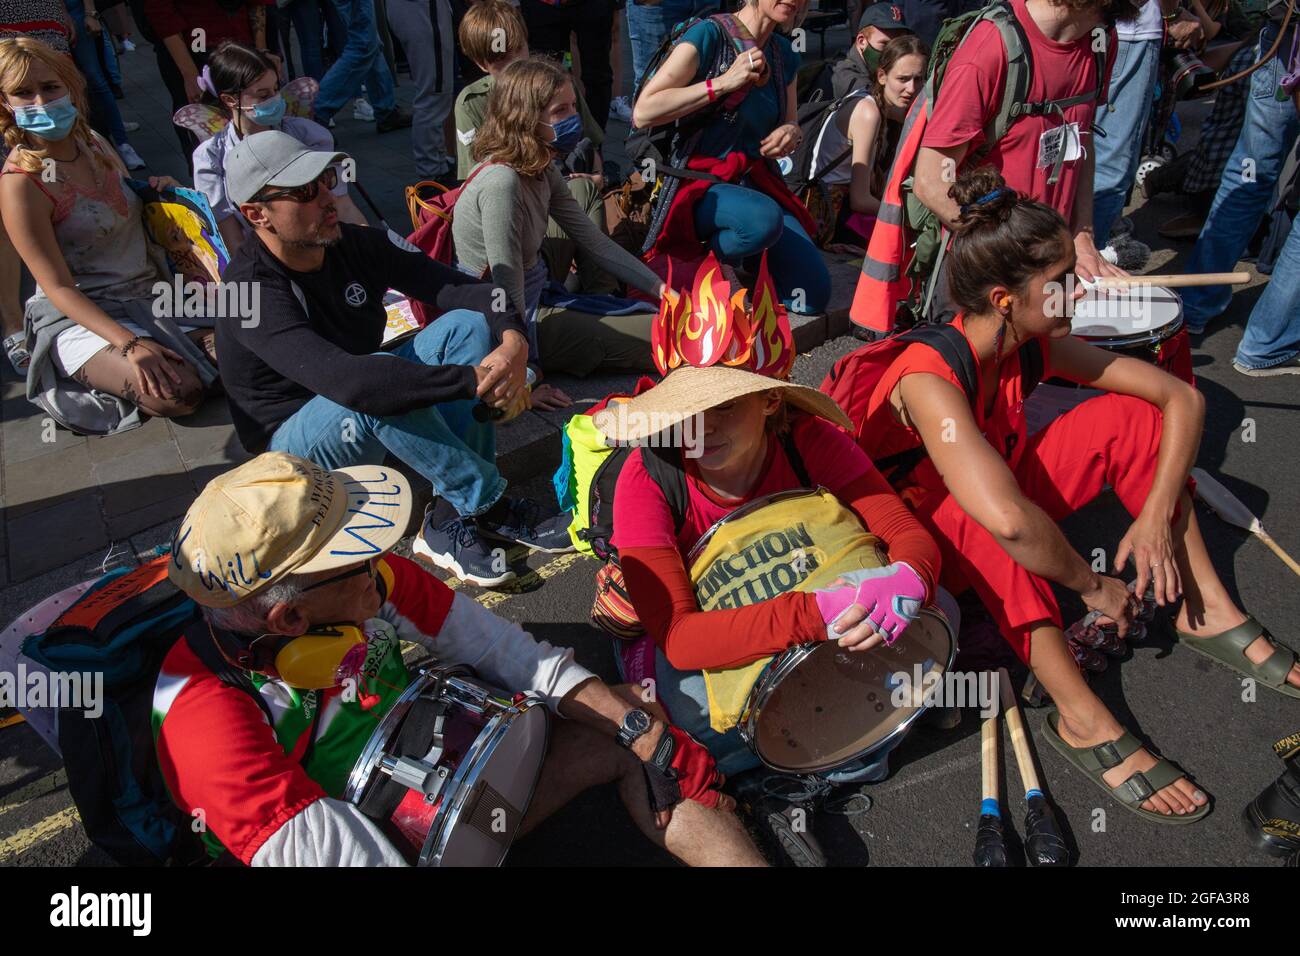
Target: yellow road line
51 826
37 788
491 599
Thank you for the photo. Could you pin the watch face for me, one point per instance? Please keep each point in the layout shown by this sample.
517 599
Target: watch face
637 721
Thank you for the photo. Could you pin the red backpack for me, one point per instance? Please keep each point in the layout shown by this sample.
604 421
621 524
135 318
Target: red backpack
853 380
433 219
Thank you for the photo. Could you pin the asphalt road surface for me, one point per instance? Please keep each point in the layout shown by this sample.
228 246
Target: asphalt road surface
923 813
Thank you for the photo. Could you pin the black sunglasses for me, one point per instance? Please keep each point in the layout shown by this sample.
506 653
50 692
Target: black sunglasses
367 568
306 192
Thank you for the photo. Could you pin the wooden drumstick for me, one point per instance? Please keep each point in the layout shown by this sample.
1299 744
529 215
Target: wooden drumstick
990 840
1044 845
1177 281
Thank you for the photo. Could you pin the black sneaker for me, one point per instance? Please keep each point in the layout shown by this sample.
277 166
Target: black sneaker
456 546
394 119
528 525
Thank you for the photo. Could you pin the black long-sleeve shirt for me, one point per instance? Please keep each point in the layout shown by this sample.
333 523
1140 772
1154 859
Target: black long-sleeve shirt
314 332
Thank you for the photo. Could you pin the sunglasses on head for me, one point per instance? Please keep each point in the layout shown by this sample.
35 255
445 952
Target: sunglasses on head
304 193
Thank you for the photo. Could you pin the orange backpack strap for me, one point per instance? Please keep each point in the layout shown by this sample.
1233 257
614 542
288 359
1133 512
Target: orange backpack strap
96 610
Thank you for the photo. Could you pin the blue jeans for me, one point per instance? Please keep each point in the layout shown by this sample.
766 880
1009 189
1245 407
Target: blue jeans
1273 332
110 64
649 26
1124 121
1244 192
362 61
101 97
442 442
739 223
305 15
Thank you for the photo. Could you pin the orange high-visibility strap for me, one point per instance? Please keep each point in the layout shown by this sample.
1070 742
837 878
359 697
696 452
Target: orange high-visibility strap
882 284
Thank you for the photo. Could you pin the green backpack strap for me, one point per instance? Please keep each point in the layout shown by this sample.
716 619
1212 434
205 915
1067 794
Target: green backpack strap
1020 73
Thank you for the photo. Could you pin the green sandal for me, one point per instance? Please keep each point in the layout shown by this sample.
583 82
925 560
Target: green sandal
1141 785
1229 649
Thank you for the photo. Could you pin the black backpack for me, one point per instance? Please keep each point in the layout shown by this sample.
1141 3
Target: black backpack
853 379
664 466
122 628
815 118
663 150
666 145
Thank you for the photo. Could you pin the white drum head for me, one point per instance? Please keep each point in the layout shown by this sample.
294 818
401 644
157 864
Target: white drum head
1140 313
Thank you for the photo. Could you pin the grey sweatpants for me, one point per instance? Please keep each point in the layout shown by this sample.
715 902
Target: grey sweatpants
425 30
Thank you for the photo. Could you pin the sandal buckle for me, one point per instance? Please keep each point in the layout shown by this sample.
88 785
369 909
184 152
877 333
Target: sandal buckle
1138 786
1107 755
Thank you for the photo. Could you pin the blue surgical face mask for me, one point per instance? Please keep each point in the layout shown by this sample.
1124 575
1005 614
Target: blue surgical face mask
269 112
568 133
53 120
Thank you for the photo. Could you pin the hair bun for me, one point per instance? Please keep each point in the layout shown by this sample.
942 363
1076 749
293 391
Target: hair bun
984 199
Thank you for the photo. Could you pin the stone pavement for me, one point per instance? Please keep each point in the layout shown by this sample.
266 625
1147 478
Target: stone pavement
65 498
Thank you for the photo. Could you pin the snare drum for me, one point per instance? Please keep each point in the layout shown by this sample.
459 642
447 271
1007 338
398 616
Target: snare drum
814 707
819 706
1143 321
451 768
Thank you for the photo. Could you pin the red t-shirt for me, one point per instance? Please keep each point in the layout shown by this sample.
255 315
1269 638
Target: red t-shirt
1005 428
654 566
972 93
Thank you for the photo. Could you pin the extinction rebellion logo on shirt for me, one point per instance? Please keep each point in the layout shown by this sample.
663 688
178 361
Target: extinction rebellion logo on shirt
355 294
760 571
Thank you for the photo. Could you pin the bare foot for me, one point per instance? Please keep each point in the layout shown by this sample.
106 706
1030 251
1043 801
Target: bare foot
1179 798
1216 622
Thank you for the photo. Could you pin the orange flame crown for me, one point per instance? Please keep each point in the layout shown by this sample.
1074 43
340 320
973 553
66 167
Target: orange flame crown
709 325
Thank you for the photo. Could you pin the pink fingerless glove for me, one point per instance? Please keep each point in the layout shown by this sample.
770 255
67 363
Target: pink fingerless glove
892 597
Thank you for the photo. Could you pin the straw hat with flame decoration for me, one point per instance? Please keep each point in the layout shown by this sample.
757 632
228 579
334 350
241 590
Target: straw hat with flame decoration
712 351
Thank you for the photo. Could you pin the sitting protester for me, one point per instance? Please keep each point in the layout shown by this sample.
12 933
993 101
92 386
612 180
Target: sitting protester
993 496
302 377
493 35
864 135
729 86
244 85
101 358
270 782
881 23
501 218
755 435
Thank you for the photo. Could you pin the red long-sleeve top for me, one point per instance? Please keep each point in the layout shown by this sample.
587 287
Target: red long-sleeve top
659 584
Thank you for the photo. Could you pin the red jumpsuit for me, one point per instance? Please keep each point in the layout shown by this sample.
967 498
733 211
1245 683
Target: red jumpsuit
1109 440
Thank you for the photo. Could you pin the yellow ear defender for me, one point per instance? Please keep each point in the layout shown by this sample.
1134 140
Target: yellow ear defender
313 660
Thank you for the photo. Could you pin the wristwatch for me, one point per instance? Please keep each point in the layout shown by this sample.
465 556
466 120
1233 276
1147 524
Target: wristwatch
635 724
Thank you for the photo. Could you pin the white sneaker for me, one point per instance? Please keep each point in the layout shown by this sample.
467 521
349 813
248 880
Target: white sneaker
130 157
128 46
130 126
621 109
361 110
